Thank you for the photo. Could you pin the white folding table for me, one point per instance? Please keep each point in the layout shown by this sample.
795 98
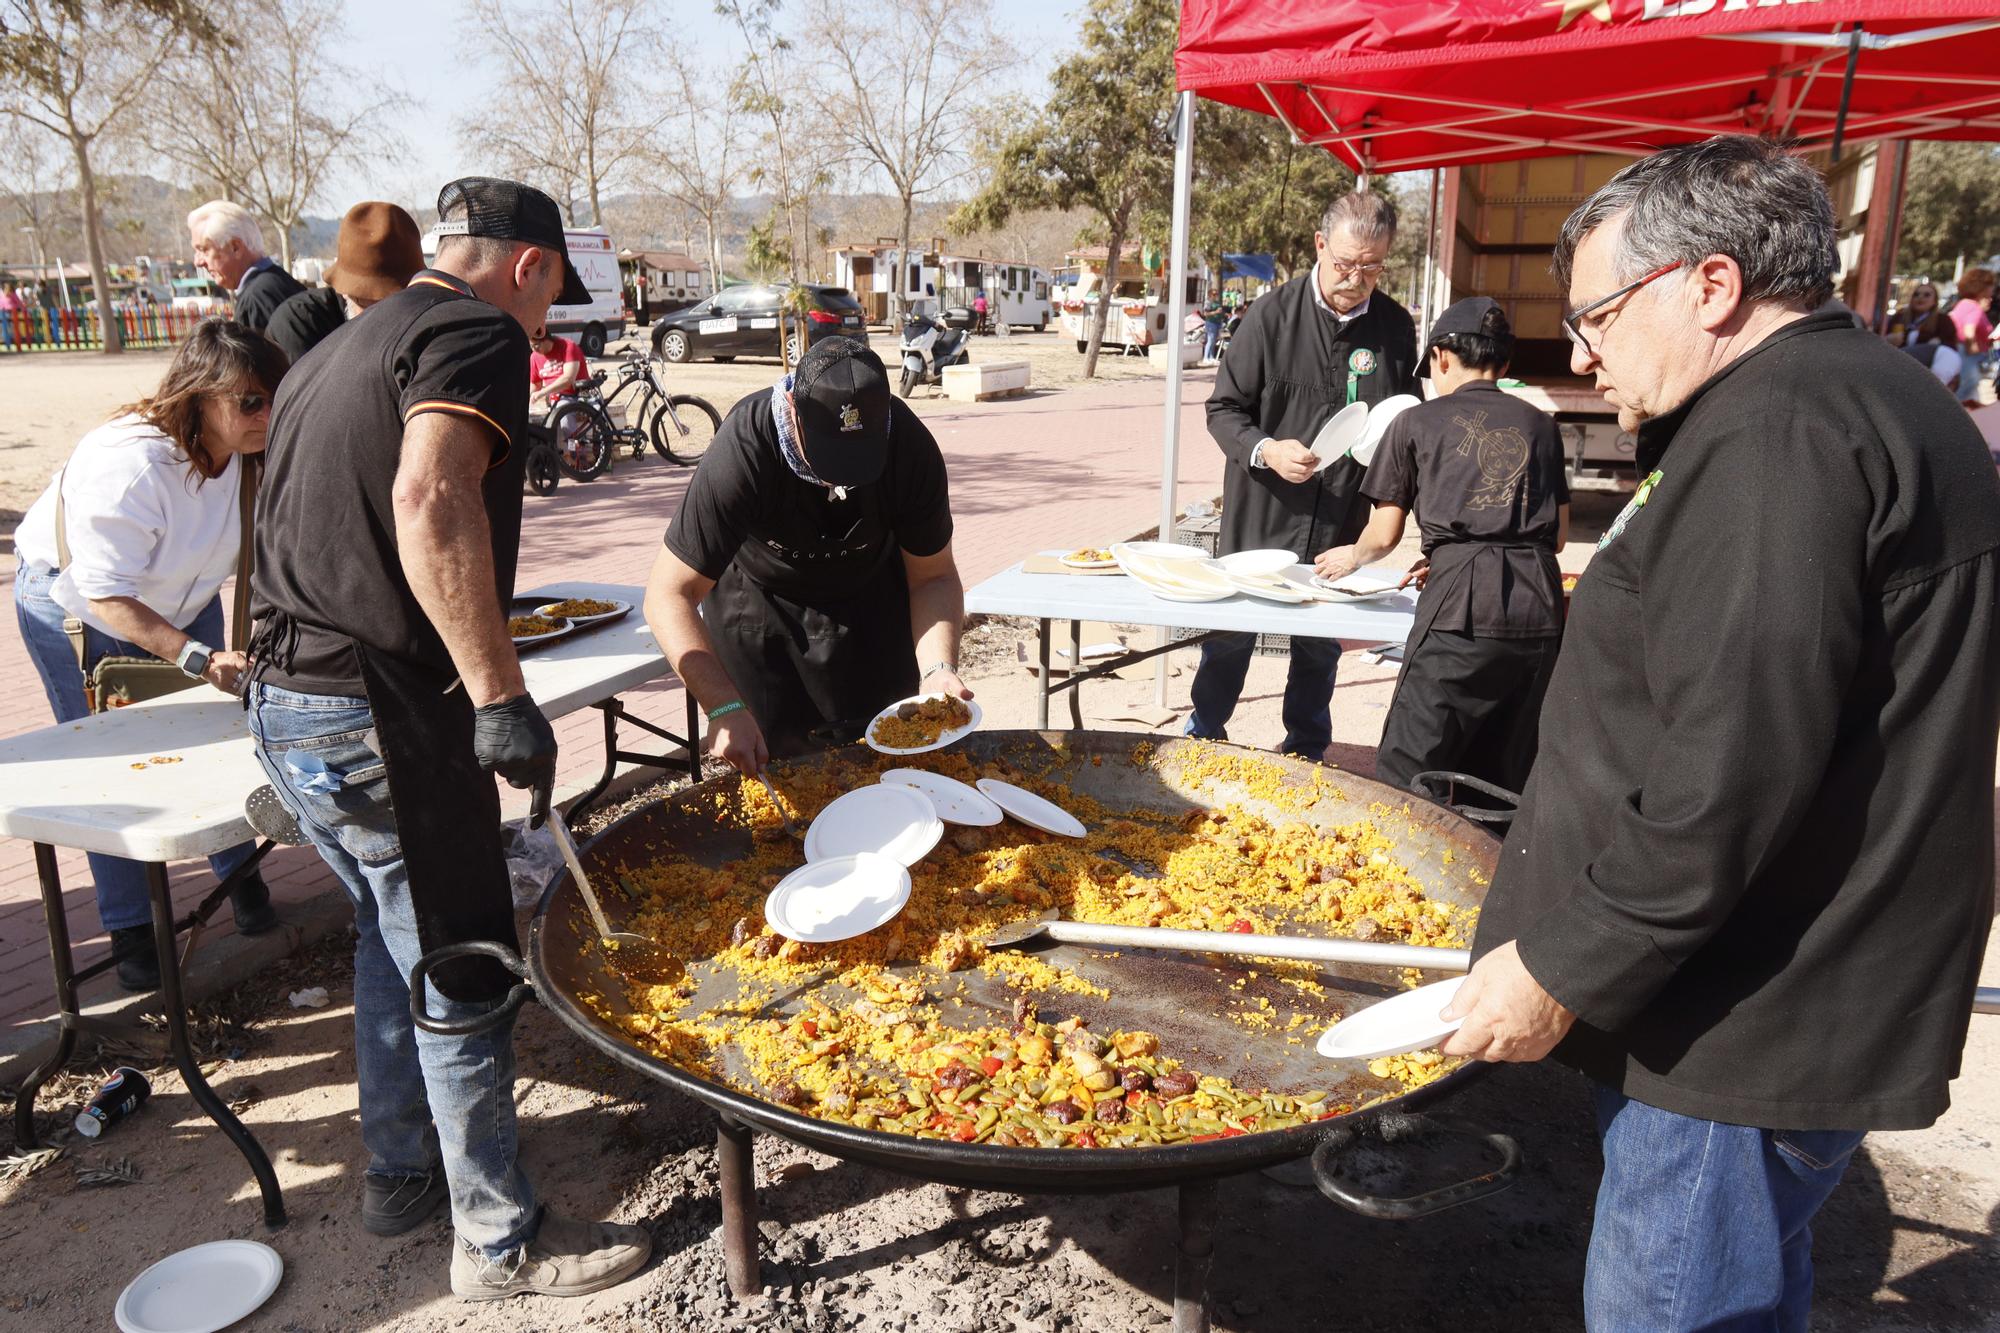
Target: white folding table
167 780
1122 600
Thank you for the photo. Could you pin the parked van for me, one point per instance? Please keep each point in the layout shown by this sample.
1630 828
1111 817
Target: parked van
596 260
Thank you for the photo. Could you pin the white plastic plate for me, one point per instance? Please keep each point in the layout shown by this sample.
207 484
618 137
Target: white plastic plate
1182 581
838 899
1274 589
1339 434
529 640
951 737
1380 417
1355 588
954 801
1074 563
618 609
1257 564
1160 551
1406 1022
200 1290
892 821
1031 809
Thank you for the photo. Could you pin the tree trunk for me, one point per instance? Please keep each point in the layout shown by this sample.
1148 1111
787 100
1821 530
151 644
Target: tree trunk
285 248
714 254
902 309
93 240
1104 296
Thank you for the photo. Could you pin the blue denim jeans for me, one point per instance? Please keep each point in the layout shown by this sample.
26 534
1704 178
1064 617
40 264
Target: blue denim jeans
425 1099
1702 1225
121 884
1308 710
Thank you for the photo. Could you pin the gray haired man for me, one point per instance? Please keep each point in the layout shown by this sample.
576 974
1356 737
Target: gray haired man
1751 880
1302 353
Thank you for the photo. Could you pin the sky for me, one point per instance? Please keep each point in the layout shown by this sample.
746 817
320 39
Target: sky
410 43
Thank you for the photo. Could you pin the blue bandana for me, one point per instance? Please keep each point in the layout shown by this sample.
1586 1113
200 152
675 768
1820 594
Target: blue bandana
790 449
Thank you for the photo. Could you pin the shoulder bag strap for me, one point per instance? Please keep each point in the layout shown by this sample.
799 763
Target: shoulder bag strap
249 469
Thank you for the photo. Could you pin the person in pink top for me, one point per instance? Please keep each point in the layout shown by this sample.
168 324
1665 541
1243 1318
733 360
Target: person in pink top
1975 330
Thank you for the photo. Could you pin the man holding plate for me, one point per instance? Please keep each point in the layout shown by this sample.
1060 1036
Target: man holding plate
812 551
1310 348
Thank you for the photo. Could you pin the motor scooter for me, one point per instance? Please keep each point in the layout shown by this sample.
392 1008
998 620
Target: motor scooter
928 347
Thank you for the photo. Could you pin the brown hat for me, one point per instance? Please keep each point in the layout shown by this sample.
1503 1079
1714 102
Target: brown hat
379 251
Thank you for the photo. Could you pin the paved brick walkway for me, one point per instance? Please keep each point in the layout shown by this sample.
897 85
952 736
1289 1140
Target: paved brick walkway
1061 469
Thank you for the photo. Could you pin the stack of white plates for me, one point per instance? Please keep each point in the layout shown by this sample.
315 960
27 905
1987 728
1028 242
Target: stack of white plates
1191 577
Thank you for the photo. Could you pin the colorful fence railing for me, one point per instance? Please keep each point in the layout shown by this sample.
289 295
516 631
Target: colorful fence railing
40 329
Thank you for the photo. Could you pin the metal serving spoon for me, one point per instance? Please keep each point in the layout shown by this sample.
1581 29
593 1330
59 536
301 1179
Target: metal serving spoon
1050 926
631 953
791 829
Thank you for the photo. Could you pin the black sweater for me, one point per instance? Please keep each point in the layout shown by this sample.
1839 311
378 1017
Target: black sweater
1284 375
1756 855
262 293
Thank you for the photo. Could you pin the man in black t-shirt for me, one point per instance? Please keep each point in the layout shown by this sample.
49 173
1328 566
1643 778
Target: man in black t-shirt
812 550
1484 472
387 694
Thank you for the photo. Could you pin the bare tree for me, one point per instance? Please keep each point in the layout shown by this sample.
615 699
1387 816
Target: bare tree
763 90
30 177
265 116
904 78
76 68
571 116
699 151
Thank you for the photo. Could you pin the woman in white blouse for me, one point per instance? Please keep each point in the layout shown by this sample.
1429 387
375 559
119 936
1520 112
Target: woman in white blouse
150 518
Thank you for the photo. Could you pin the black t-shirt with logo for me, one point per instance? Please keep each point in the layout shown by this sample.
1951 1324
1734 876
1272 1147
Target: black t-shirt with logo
327 559
746 506
1482 469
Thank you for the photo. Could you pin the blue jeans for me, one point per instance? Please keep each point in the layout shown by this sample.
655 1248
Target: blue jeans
1211 338
425 1099
121 884
1308 710
1702 1225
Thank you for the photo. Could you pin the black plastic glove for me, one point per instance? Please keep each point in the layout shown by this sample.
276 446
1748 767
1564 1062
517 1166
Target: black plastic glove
513 739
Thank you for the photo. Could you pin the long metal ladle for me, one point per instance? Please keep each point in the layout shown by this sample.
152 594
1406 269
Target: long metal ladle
1049 926
630 953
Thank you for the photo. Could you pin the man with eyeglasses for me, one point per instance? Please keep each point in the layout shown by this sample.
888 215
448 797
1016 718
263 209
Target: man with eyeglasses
1302 353
1750 884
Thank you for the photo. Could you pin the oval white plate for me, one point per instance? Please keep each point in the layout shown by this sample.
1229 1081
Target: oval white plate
1160 550
1380 417
529 641
1182 581
1031 809
1257 564
1406 1022
200 1290
1339 434
896 822
1089 564
1273 589
837 899
1355 588
951 737
618 609
954 801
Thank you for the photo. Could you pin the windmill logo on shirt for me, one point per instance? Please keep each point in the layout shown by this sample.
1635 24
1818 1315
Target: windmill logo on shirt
850 417
1502 456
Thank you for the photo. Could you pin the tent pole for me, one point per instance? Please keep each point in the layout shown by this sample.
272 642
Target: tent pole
1424 302
1177 267
1846 90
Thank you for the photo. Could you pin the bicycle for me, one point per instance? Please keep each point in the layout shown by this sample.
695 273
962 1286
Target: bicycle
679 426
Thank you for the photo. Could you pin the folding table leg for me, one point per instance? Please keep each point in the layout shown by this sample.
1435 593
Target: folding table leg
177 1038
694 734
1075 666
1042 685
66 1017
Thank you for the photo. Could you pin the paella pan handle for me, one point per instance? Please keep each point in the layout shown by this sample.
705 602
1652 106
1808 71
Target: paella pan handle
1437 787
478 1023
1390 1129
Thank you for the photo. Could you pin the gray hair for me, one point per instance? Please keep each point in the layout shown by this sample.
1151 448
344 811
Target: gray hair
1371 216
220 221
1734 195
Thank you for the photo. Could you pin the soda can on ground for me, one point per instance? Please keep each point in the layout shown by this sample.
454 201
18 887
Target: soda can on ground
125 1093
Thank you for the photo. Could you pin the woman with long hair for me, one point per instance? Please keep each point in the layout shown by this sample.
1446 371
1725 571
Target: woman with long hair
150 521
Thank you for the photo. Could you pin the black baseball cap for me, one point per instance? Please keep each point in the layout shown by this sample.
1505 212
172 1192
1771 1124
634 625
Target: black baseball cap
841 392
510 211
1461 317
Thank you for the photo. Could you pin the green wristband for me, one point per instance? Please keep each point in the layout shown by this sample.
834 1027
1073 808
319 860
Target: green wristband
733 706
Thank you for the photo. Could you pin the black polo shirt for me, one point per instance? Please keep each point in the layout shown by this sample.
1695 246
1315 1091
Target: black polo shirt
327 560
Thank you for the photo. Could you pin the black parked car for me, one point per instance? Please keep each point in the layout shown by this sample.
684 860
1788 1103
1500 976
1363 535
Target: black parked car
743 321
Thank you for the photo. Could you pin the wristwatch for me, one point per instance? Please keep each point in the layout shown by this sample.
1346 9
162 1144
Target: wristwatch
194 659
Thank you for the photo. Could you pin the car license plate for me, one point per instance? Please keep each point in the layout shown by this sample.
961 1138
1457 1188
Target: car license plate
852 319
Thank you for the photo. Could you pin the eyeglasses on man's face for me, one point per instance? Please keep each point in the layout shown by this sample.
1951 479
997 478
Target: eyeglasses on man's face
1575 322
1353 268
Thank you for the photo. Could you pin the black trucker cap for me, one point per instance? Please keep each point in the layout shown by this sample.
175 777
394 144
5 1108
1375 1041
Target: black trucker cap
510 211
1461 317
842 395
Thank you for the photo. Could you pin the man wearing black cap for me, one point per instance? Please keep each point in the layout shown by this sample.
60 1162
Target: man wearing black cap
387 694
1485 472
812 552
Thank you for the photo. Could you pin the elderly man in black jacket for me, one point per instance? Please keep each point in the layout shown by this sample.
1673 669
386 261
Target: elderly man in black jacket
1751 880
1303 352
229 246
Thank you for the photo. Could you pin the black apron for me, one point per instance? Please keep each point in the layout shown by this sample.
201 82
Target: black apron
815 669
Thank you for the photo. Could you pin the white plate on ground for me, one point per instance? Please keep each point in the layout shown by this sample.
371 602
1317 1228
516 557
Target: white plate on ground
1158 551
1031 809
617 609
1380 417
200 1290
954 801
1406 1022
1110 562
838 899
892 821
1355 588
1256 564
1339 434
950 737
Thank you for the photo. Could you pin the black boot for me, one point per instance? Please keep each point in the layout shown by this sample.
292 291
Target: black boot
250 903
138 965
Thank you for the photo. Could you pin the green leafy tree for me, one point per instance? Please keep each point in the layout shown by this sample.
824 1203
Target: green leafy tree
1102 143
1949 207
